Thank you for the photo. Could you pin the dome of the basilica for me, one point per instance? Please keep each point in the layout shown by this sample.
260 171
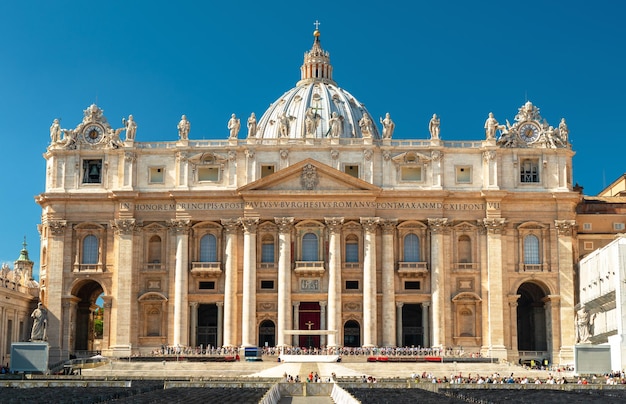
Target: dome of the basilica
317 107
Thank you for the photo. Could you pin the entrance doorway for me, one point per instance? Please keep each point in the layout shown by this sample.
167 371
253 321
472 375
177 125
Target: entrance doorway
412 329
531 318
86 312
309 320
267 333
352 334
207 325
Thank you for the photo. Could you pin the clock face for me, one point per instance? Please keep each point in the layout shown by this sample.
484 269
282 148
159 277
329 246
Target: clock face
93 134
529 132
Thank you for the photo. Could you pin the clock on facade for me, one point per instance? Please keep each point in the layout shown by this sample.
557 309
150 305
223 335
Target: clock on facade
93 134
529 132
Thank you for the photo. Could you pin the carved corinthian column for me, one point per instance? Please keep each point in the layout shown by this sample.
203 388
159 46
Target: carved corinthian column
248 311
230 282
369 281
334 278
181 229
437 280
495 339
388 286
285 225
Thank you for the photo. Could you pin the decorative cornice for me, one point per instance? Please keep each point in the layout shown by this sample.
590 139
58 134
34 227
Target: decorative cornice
285 224
565 227
334 224
495 225
438 224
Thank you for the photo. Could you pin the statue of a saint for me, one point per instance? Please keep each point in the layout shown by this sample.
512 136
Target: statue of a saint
433 127
234 124
40 324
131 127
563 131
55 132
584 322
183 128
283 125
252 125
335 125
491 126
366 126
310 122
388 126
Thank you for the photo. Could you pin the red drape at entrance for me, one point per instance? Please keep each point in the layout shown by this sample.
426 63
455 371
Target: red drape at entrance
309 320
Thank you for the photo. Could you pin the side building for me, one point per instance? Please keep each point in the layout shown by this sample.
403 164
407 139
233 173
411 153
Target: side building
316 228
18 298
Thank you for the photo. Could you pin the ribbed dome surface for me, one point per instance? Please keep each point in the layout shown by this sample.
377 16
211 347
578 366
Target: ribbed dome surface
316 107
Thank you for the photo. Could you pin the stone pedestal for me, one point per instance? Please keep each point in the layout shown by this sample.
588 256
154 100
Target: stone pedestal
592 359
29 357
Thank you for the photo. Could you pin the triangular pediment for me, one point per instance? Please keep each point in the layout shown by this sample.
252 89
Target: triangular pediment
309 175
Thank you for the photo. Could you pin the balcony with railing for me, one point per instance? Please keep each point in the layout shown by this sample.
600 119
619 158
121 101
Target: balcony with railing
154 267
412 269
309 268
352 265
465 266
533 268
206 269
88 268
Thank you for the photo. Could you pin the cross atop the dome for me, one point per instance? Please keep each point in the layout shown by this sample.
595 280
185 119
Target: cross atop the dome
317 25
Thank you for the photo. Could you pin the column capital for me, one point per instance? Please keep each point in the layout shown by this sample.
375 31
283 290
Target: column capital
285 224
399 304
123 226
425 304
57 227
438 224
219 304
513 300
495 225
334 224
388 225
369 224
179 226
194 305
249 224
296 304
323 303
565 227
230 225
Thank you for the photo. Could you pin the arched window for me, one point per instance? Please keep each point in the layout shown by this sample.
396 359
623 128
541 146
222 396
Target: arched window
267 249
310 247
531 250
208 248
90 249
465 249
352 248
154 250
411 248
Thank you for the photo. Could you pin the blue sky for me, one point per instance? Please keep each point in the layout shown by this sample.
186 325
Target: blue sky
160 59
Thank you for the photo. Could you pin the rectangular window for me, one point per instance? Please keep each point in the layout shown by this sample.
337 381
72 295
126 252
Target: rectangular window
92 171
206 285
267 170
529 171
412 285
352 252
464 175
208 174
351 169
267 284
156 175
618 226
352 285
411 173
588 245
267 252
587 226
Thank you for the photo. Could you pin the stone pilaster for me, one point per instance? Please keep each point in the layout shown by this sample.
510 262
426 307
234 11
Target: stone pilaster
193 332
370 311
388 283
296 321
323 339
220 323
495 340
54 286
437 228
180 228
513 352
425 323
562 317
334 277
248 311
285 322
398 324
230 282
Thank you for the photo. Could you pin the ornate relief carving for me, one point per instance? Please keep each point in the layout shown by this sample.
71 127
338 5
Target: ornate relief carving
489 155
310 285
179 226
123 226
436 155
368 154
438 224
250 153
495 225
130 157
284 154
387 155
334 224
266 306
232 155
230 225
334 154
309 177
285 224
182 157
565 227
388 225
57 227
249 224
369 224
352 306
